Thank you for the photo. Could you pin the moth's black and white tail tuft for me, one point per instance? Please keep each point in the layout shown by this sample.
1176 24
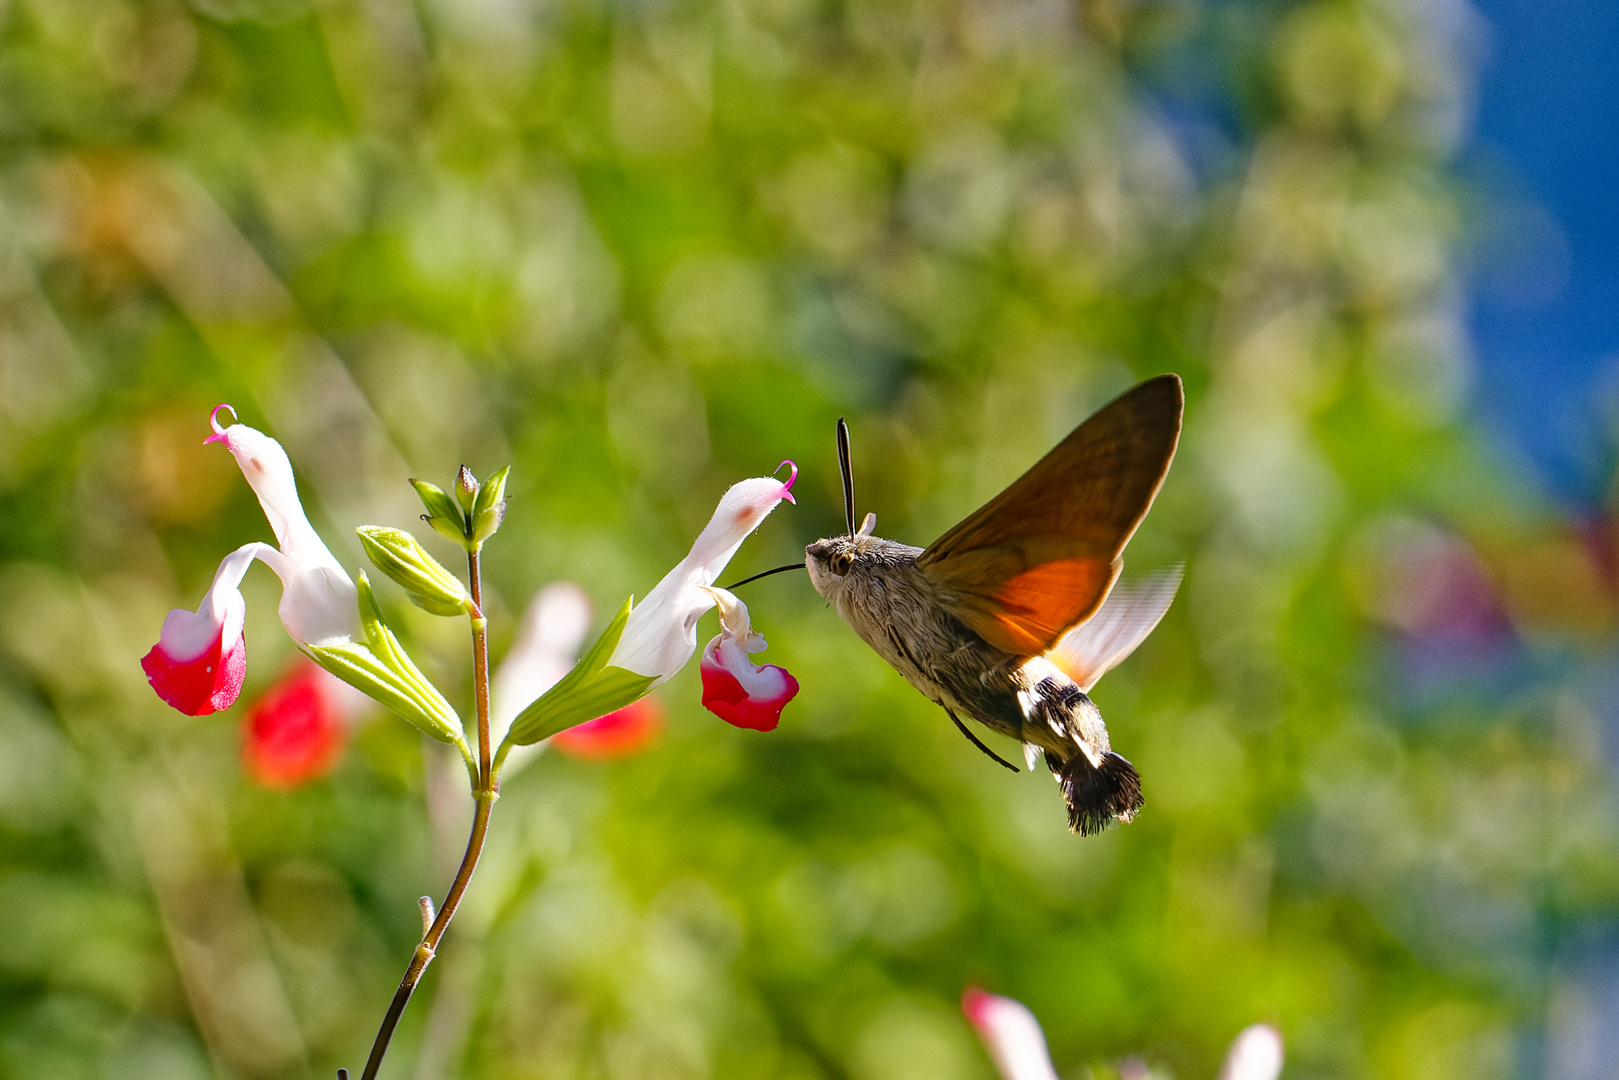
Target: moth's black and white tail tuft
1097 794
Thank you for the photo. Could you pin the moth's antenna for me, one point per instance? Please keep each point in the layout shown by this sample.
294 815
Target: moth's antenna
847 467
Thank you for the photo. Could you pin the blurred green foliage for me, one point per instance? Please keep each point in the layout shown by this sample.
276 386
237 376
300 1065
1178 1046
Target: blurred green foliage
640 250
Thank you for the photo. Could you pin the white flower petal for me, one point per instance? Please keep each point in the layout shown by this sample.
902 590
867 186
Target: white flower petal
318 599
1255 1054
661 633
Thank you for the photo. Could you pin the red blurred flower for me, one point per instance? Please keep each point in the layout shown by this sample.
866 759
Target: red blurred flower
295 732
618 734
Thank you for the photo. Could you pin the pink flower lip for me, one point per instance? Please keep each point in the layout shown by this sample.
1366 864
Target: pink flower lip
213 422
201 684
792 477
726 697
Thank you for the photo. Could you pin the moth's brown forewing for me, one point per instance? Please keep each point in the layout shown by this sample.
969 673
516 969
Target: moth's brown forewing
1041 556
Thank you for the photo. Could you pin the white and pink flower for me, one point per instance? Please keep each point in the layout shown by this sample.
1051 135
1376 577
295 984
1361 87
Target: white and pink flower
547 646
661 634
1011 1034
555 625
735 689
649 642
1016 1044
200 659
1255 1054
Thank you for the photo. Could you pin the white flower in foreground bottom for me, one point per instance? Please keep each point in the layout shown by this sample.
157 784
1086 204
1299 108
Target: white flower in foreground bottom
1018 1047
735 689
1011 1034
200 659
1255 1054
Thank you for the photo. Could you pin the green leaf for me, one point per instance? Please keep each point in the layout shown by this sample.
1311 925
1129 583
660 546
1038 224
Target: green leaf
399 555
590 690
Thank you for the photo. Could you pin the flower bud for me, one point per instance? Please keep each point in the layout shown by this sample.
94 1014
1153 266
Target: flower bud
466 488
385 672
489 508
399 555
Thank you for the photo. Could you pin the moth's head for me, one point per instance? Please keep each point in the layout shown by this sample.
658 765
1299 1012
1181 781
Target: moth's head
834 560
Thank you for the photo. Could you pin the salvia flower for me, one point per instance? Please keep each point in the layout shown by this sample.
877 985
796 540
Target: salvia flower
1011 1034
1016 1044
620 733
200 659
1255 1054
661 633
295 732
649 642
554 627
735 689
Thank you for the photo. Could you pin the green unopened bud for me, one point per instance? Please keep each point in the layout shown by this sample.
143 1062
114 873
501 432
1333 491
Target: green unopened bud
381 668
466 488
398 554
489 509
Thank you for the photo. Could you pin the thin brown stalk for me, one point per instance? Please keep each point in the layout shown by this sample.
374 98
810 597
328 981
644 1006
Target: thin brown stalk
485 796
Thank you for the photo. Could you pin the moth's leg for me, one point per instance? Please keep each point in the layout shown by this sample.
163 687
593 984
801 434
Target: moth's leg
974 740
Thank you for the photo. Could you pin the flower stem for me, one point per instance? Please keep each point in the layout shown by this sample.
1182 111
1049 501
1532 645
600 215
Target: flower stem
485 794
480 672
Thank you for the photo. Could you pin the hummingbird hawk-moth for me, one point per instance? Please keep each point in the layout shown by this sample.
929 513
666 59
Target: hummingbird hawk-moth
1011 617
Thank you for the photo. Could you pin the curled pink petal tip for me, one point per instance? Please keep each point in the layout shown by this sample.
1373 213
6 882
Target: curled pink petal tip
974 1002
213 422
792 477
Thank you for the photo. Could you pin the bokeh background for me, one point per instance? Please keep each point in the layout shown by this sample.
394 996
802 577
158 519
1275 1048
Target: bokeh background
641 249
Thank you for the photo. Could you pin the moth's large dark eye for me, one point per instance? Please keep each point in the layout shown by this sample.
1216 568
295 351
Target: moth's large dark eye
841 563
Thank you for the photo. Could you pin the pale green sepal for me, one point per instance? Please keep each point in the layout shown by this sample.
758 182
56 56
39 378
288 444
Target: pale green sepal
437 501
399 555
590 690
360 668
563 707
418 700
451 530
489 508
